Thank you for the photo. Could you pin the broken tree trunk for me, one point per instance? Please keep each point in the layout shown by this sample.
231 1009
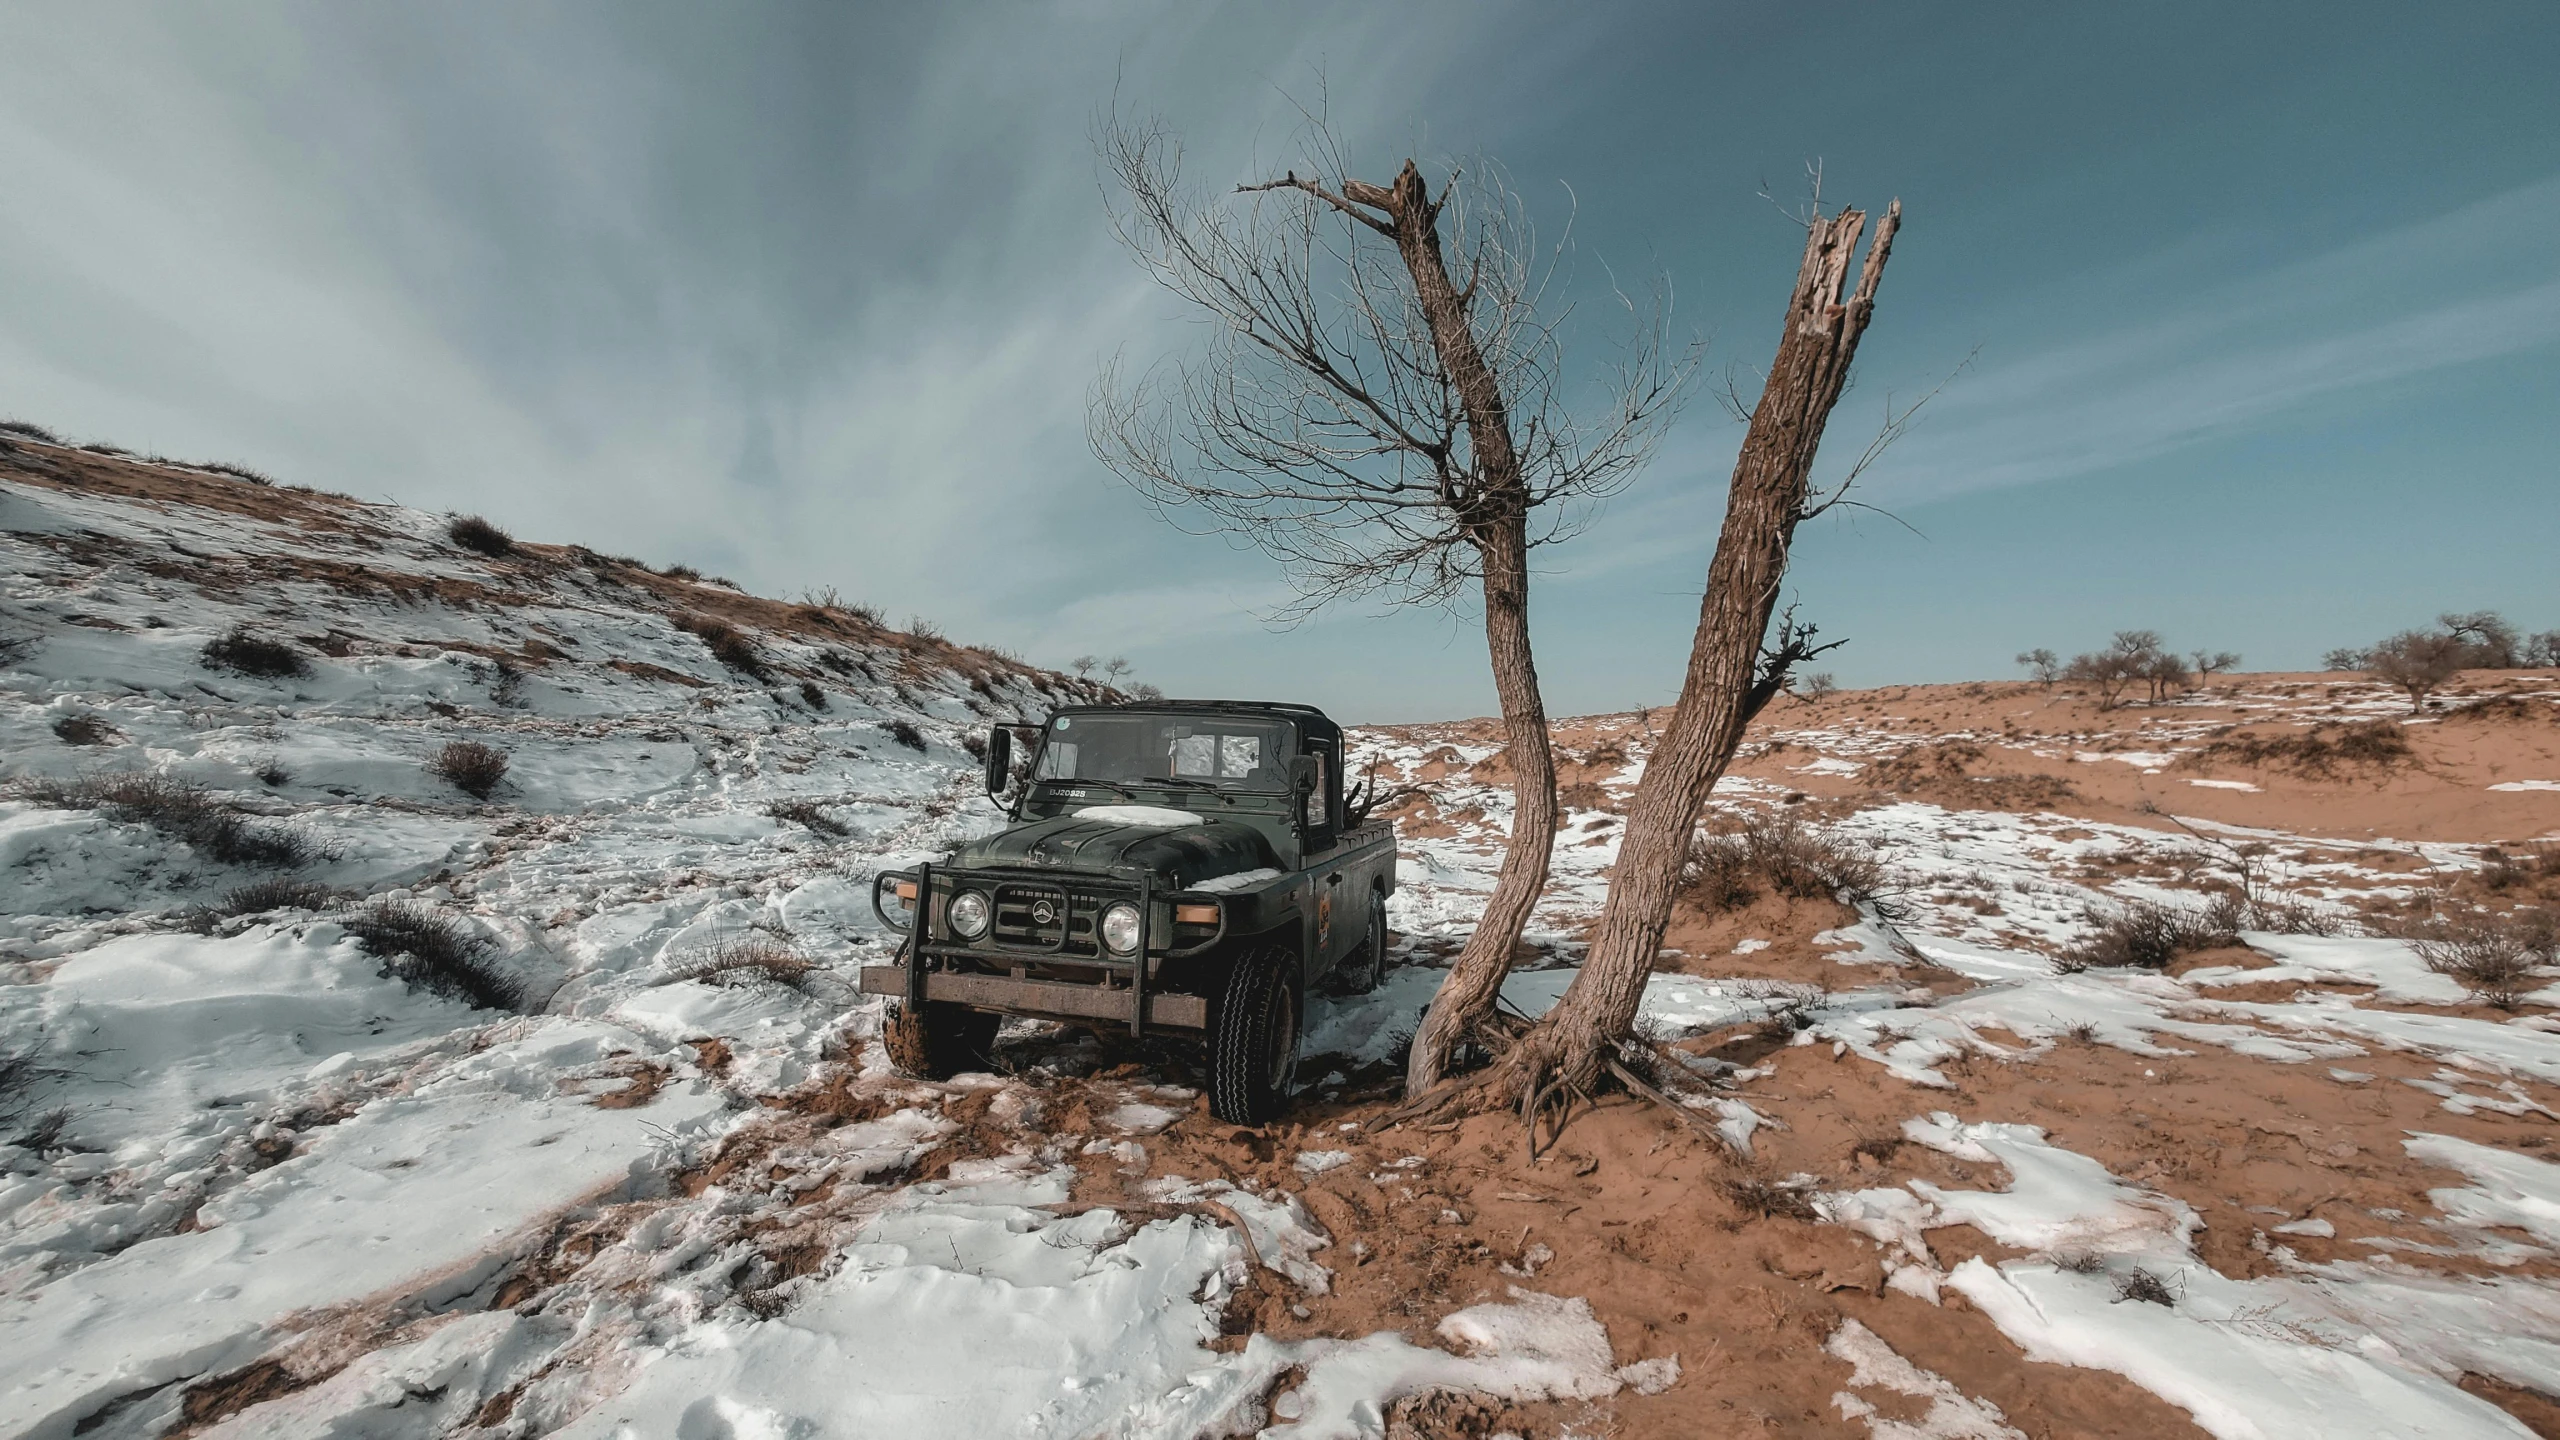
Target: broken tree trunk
1571 1044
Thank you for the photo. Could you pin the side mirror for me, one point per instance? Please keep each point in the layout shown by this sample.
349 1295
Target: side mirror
1304 775
999 760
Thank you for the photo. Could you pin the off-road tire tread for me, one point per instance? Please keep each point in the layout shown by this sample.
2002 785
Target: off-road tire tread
1236 1095
1374 945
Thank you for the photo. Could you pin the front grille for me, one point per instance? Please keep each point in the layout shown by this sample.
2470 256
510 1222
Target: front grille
1044 917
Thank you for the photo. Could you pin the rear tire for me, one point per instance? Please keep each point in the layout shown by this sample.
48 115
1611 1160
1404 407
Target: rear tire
1253 1039
944 1041
1362 969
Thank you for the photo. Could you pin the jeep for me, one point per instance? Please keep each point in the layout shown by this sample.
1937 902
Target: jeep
1186 868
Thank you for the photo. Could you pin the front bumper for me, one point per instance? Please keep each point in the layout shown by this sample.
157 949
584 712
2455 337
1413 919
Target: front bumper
1043 999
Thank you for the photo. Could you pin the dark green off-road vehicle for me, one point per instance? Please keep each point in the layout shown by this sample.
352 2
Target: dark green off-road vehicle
1184 867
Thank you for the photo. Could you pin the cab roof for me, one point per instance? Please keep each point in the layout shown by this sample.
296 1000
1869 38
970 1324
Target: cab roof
1307 718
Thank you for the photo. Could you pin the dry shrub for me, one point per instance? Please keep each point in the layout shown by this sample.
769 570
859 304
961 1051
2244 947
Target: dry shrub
1727 868
248 654
180 810
2504 871
435 953
1919 765
752 960
811 814
479 536
905 733
1761 1198
2146 1287
30 430
85 730
2316 753
812 696
685 573
470 767
2492 956
2146 935
261 896
727 644
2504 709
1585 796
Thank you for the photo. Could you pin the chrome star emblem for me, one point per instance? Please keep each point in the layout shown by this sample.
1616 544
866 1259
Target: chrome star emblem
1044 913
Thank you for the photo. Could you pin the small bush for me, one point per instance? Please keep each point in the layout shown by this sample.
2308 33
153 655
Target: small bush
753 960
2140 1284
261 896
479 536
179 810
238 472
470 767
905 733
1727 869
435 953
2148 936
812 696
85 730
29 430
726 644
271 771
249 654
686 573
2492 956
809 813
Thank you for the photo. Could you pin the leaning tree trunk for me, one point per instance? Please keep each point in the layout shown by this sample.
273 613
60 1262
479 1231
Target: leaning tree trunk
1767 498
1495 520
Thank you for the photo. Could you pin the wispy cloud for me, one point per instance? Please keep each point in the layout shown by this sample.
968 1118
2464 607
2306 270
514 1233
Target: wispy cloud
2451 291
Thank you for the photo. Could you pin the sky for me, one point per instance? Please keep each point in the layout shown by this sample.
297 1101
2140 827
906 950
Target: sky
2244 321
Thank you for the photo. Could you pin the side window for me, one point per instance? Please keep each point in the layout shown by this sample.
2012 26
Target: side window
1315 810
1058 761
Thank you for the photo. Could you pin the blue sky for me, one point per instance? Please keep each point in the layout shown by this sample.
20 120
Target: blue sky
2263 302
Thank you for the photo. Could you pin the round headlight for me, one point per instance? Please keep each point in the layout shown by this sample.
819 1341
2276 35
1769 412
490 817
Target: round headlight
1120 929
968 914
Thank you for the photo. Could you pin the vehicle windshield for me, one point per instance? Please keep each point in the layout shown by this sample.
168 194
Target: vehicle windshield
1226 752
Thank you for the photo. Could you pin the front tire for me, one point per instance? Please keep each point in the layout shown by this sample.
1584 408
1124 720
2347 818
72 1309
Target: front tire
944 1041
1253 1043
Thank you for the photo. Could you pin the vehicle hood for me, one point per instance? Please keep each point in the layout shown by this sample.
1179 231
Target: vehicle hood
1178 855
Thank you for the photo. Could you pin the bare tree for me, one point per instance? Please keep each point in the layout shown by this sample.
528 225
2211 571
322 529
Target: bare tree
1729 664
2208 663
1382 407
2488 641
1817 688
2132 655
2042 664
2418 661
1083 664
1114 668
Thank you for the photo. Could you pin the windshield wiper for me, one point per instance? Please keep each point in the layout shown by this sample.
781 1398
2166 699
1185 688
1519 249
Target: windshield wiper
1189 783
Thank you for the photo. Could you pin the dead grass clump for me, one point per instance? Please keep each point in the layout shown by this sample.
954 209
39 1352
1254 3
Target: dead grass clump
2505 708
2146 935
247 654
179 810
752 960
85 730
905 733
2316 753
811 814
470 767
812 696
1761 1198
436 953
282 893
1727 868
1586 796
727 644
479 536
2146 1287
30 430
2504 871
2492 956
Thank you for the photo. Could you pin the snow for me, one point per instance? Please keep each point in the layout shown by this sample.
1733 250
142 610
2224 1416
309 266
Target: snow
2515 785
1157 815
2242 785
1952 1415
2508 1190
1240 880
2391 966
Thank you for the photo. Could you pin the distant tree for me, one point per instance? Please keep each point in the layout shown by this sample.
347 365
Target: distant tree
1817 687
2133 655
1083 664
2165 672
2345 657
1114 668
2488 641
2209 662
2543 651
1147 693
2418 661
2043 664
